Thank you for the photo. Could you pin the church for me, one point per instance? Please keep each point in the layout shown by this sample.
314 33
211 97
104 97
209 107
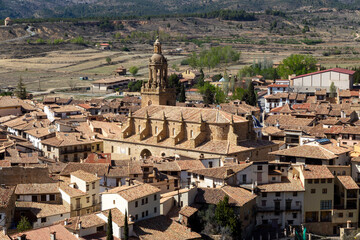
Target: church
162 129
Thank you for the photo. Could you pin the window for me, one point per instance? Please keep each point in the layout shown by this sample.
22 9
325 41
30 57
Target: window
43 198
52 197
210 164
136 217
263 203
259 168
87 199
313 190
329 181
340 215
316 181
135 175
325 204
147 213
351 214
202 177
264 194
97 147
142 201
324 190
155 210
136 204
34 198
93 185
273 178
114 203
87 187
294 194
155 197
277 194
294 215
146 200
191 134
244 178
43 220
156 129
143 214
174 132
323 180
112 149
168 186
310 181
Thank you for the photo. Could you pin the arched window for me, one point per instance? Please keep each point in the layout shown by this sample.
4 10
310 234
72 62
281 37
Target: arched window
191 133
174 132
156 130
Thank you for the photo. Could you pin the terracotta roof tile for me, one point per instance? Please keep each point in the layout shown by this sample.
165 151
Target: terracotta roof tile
43 209
6 194
317 172
162 227
348 182
221 172
44 233
135 191
85 176
287 185
37 188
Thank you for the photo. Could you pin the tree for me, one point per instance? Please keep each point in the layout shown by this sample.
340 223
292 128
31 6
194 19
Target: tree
126 227
332 90
182 97
297 64
20 91
135 86
72 84
133 70
238 94
109 232
226 218
208 92
250 96
220 95
23 225
108 60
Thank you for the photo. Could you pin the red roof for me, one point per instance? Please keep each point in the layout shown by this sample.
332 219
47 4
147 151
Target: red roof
192 90
301 106
85 106
339 70
278 85
354 93
99 158
104 44
277 109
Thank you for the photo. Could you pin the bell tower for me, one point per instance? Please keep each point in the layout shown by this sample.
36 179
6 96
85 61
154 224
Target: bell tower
156 90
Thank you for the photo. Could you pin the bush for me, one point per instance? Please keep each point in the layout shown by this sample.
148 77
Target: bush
79 40
40 41
133 70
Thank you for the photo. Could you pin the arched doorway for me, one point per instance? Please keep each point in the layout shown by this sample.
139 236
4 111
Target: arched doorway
145 153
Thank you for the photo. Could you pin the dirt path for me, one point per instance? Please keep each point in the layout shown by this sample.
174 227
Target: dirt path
28 30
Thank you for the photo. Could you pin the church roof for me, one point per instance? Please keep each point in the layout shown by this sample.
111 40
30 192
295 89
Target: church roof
189 114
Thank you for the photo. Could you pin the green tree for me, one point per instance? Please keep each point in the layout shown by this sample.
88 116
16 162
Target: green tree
226 218
238 94
135 86
108 60
20 91
174 82
250 96
133 70
220 95
208 92
182 97
297 64
23 225
126 227
332 90
109 232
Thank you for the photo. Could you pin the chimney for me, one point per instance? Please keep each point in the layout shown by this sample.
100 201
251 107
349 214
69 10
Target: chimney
53 236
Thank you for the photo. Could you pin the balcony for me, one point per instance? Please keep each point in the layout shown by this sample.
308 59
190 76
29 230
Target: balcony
68 151
281 209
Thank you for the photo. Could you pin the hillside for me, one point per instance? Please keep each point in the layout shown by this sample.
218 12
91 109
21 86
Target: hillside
91 8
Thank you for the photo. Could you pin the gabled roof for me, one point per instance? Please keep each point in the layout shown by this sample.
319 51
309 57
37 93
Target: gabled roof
237 196
85 176
37 188
306 151
339 70
134 191
44 233
316 172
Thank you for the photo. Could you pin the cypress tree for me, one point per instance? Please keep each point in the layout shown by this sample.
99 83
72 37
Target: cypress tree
126 227
182 97
109 232
251 95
